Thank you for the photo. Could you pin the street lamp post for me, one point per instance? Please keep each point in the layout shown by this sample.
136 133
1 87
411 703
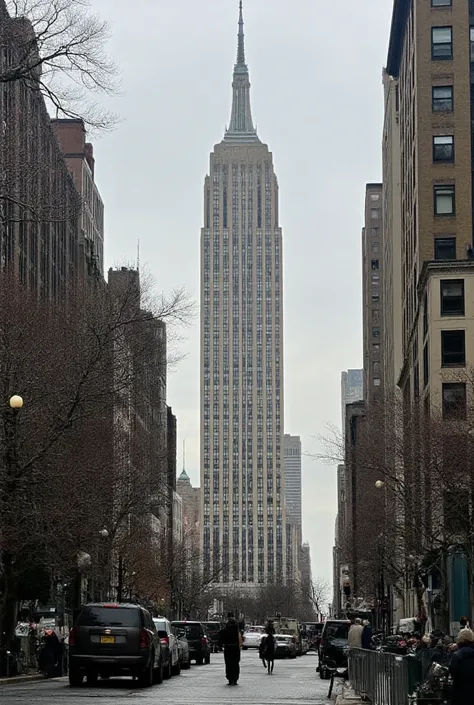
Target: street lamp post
8 506
380 485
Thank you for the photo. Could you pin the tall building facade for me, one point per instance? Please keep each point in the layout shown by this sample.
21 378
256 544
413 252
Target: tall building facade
243 531
372 294
430 73
352 389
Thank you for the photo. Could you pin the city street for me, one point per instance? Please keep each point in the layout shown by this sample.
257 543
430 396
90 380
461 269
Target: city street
293 682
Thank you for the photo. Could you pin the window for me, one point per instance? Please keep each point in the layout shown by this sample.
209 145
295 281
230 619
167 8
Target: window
443 148
375 197
426 365
441 3
442 99
375 280
375 314
453 352
376 332
375 213
454 400
374 246
375 298
445 248
471 38
441 43
444 200
452 297
374 264
375 348
376 382
376 368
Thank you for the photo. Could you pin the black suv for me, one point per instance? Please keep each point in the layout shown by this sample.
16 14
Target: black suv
114 640
198 642
334 645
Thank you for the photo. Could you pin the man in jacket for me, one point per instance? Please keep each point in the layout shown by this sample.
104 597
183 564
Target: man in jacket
231 640
366 635
462 669
354 640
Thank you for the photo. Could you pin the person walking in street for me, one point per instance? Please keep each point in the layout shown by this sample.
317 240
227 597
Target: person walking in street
366 639
230 639
354 640
462 669
269 648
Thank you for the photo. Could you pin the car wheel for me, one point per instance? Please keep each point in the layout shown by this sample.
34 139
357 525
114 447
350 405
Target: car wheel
177 669
145 679
207 660
92 678
75 677
158 675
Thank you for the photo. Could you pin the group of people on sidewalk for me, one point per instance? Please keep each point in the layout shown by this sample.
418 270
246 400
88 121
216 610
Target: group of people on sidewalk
360 635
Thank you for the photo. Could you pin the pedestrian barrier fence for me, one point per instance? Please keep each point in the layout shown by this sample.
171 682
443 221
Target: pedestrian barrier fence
383 679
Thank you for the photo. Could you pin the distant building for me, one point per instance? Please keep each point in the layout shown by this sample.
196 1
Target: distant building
352 389
242 398
79 156
292 455
177 518
191 502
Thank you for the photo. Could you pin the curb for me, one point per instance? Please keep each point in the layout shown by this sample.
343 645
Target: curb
23 679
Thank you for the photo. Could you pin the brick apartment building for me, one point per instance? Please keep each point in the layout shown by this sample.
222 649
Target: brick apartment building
39 204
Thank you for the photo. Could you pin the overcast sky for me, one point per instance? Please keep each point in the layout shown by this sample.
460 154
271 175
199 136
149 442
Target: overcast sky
315 69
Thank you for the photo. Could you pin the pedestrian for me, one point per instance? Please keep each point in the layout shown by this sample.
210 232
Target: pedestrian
354 640
269 648
462 669
366 639
230 639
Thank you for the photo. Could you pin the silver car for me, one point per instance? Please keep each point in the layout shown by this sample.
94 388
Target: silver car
253 637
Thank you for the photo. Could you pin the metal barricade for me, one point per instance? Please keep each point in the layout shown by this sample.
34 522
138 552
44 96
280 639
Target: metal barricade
384 679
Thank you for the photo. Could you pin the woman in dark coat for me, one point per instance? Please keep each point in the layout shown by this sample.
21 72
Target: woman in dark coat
231 640
462 669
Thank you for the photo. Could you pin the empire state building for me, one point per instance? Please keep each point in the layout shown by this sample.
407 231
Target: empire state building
243 519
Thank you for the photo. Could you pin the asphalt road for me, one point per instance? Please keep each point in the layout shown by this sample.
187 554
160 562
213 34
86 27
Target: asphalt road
292 683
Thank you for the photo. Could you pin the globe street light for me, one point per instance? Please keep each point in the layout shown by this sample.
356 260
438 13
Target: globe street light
104 533
379 484
16 402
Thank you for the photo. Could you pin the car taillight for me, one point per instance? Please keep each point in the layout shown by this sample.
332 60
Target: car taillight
165 640
203 640
144 639
72 637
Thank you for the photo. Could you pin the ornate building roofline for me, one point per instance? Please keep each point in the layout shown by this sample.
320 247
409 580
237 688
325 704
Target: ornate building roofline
241 127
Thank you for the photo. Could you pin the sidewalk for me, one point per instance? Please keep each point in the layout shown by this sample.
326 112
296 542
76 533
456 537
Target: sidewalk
24 678
348 696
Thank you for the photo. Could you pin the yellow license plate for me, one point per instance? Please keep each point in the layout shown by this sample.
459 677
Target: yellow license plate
107 640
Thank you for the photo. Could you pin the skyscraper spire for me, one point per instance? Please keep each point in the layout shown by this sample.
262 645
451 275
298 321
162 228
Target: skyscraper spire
241 127
241 39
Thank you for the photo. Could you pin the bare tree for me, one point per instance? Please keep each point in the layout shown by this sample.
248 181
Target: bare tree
58 479
58 48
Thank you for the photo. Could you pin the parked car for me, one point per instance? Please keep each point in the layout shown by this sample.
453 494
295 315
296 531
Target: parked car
334 645
114 640
316 631
252 637
198 643
169 645
285 646
212 630
183 647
